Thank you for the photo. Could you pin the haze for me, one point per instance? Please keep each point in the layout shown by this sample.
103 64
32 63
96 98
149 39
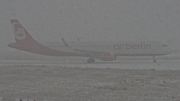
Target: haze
50 20
25 76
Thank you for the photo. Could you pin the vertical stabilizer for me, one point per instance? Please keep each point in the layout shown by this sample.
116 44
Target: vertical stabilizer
20 33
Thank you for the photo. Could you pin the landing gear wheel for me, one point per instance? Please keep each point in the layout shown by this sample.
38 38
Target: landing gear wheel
91 60
154 59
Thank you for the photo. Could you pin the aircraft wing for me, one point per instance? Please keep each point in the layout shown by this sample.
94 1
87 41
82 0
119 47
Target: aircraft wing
86 52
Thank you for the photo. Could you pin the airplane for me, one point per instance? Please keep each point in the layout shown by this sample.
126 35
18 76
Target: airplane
103 50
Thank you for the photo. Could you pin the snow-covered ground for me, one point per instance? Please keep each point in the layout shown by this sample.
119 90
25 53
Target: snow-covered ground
163 63
78 81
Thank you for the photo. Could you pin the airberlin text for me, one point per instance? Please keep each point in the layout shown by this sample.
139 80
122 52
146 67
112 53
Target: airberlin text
130 46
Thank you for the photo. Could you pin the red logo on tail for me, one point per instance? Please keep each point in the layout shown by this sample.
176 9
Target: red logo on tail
19 31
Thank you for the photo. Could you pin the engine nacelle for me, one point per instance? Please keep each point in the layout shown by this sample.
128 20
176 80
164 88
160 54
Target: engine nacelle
107 56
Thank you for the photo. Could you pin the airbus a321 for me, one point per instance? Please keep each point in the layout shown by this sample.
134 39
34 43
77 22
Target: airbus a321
103 50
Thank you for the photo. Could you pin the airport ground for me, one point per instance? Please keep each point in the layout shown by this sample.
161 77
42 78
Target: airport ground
75 82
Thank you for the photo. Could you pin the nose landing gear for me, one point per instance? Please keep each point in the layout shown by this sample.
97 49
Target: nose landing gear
154 59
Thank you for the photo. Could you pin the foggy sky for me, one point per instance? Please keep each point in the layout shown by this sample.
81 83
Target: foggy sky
49 20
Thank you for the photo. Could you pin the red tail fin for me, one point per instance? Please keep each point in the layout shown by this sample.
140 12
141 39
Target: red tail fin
25 42
20 33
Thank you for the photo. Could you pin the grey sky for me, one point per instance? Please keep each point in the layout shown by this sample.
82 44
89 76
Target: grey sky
49 20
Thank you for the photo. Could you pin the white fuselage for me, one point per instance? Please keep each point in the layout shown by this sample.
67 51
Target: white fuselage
119 48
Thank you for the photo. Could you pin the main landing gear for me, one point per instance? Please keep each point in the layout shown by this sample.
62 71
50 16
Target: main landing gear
154 59
91 60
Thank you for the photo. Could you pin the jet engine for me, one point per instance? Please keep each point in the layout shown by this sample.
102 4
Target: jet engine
107 56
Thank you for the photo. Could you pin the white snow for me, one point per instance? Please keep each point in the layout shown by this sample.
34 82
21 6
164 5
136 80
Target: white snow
78 81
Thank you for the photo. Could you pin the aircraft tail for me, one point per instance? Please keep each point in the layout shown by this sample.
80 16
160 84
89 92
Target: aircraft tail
20 33
25 42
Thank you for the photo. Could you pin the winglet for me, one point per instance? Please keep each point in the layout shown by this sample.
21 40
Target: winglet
66 45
